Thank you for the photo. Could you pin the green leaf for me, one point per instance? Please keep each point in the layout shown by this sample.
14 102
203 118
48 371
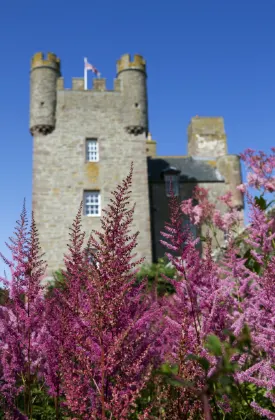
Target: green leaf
177 381
261 202
225 380
169 369
201 360
214 345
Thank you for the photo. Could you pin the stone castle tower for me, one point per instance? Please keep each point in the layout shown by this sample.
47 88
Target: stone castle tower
84 142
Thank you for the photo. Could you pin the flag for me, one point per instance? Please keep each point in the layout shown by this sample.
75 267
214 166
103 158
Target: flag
89 66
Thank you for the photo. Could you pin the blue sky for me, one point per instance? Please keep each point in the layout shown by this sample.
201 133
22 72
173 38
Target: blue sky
214 57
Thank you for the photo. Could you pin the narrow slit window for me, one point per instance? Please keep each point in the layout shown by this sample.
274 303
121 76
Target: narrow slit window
92 203
171 185
92 154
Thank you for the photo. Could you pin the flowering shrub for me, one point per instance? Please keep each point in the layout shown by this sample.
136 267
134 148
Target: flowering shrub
22 320
93 342
230 303
103 346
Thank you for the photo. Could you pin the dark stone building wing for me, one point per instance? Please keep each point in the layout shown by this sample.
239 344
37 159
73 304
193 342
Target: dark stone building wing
190 173
191 170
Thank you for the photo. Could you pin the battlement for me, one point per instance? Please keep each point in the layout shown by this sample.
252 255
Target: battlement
125 63
47 83
98 85
39 60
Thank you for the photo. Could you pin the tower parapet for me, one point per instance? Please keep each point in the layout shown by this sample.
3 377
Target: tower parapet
125 63
44 75
132 74
38 60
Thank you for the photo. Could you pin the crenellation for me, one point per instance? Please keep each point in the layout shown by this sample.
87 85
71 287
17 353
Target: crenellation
60 83
99 85
125 63
51 60
44 75
118 122
61 172
77 83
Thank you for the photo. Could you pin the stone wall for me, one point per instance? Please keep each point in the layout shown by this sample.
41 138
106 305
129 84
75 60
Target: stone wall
62 119
60 173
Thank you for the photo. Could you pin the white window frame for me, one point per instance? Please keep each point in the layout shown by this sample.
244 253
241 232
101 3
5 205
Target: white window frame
90 192
91 148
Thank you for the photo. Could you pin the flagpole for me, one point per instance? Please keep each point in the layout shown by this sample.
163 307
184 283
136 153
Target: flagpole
85 75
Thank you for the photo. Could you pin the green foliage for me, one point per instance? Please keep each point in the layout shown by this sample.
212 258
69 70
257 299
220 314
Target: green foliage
43 405
57 283
221 384
154 272
261 202
4 295
214 346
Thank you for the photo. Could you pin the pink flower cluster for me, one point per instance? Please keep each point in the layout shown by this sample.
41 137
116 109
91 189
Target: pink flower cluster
227 296
260 170
98 342
94 342
205 212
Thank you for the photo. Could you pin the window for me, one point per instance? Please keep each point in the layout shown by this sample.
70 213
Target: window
171 177
92 203
92 150
171 184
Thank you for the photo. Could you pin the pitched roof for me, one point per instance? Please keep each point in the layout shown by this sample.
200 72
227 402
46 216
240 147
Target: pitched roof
192 169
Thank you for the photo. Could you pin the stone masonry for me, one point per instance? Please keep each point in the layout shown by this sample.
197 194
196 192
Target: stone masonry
207 165
61 120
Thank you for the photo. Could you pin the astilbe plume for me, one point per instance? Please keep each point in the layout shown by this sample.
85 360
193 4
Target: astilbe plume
110 325
260 170
250 291
61 308
198 308
21 319
215 297
204 212
97 341
255 299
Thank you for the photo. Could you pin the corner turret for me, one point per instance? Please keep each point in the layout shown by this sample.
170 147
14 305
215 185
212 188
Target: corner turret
44 75
132 75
